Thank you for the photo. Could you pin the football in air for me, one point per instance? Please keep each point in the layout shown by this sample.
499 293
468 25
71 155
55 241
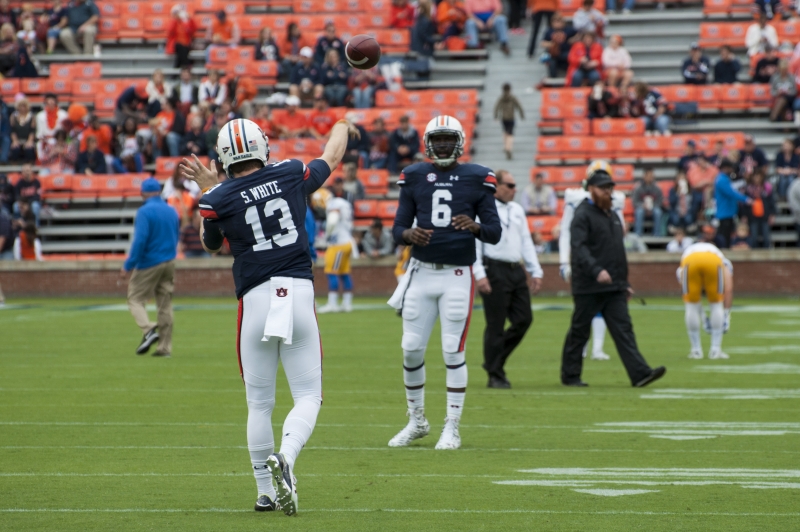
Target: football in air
362 52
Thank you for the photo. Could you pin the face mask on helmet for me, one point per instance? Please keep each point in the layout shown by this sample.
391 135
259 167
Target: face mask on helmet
442 147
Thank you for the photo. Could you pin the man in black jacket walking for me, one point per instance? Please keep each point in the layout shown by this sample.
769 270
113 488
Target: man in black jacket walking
600 283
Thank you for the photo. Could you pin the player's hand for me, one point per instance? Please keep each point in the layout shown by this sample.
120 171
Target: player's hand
123 277
566 272
194 170
631 292
462 221
534 285
483 286
418 236
603 277
352 130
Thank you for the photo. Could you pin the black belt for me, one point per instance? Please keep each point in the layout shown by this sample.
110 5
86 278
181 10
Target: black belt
501 263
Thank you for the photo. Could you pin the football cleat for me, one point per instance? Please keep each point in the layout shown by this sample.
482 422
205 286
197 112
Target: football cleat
599 355
285 483
450 439
327 309
149 338
417 428
265 504
696 355
717 354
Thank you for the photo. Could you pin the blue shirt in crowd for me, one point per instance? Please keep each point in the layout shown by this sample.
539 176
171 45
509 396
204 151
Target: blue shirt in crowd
155 235
726 197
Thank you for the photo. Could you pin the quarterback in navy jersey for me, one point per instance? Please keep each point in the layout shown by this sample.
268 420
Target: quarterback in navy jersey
261 210
444 197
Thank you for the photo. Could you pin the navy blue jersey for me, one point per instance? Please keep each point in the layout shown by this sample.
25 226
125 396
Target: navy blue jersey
263 217
434 196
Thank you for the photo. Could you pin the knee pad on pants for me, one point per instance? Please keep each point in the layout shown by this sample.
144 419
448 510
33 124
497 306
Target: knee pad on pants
413 368
717 316
412 342
456 370
260 399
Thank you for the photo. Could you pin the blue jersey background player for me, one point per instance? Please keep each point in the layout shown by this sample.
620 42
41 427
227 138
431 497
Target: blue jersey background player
261 210
444 197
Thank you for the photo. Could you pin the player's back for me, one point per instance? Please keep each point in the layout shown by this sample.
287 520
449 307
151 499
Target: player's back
262 216
437 196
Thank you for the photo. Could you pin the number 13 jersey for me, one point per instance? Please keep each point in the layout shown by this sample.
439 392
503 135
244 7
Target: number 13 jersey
263 217
434 196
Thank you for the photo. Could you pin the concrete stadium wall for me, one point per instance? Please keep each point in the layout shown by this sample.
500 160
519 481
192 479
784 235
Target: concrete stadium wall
773 272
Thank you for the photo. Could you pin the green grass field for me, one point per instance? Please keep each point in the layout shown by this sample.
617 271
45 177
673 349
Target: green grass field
93 437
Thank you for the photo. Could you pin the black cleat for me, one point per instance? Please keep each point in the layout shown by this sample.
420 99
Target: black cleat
265 504
654 376
148 339
496 382
577 384
285 483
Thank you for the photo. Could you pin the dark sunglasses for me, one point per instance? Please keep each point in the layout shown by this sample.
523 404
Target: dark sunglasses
510 185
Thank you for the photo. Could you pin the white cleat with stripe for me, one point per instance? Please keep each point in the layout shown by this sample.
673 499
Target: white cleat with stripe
417 428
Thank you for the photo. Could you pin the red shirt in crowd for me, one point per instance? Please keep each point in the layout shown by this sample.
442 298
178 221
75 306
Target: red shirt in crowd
402 15
322 121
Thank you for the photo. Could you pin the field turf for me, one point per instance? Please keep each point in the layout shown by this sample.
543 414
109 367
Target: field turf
93 437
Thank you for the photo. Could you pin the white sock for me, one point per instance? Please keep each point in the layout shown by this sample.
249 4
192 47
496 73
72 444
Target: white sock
455 404
717 323
456 378
693 316
347 299
333 299
264 481
414 378
260 439
598 334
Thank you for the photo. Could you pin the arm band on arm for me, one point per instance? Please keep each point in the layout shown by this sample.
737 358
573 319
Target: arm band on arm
212 236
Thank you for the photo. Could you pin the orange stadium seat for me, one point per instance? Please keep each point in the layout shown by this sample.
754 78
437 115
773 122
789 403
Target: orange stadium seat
156 26
679 93
550 148
165 166
207 6
110 8
88 70
119 185
716 7
62 87
387 209
712 34
576 127
366 209
131 26
84 188
543 224
108 29
617 126
56 187
734 97
33 85
62 71
374 181
788 30
709 97
9 87
760 96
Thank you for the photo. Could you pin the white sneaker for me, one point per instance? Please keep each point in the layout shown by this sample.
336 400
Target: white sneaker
417 428
347 307
696 355
450 439
599 355
718 354
327 309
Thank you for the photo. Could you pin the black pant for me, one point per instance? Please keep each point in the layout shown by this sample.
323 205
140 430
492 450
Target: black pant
509 299
516 13
614 307
537 17
726 227
182 56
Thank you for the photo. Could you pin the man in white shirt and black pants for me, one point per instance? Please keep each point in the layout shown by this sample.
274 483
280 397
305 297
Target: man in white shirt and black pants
503 283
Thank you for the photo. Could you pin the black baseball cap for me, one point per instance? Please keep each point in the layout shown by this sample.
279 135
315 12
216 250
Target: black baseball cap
599 179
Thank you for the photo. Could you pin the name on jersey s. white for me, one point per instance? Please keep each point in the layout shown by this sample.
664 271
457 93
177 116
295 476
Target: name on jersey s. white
262 191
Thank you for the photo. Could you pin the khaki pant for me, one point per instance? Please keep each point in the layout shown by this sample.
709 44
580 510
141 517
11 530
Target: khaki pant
68 37
158 280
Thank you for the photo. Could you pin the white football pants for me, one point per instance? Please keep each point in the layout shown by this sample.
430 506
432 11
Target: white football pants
258 362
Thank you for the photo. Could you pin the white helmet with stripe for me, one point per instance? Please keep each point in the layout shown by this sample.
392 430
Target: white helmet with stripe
444 140
241 140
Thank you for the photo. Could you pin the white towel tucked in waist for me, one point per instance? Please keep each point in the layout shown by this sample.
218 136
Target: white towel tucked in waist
396 301
280 320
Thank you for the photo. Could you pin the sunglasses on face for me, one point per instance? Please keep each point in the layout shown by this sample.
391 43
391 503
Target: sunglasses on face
509 185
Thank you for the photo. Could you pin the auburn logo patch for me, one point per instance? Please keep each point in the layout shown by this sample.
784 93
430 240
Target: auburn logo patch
459 272
282 292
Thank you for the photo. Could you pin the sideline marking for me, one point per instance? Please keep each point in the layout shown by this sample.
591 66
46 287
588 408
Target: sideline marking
772 368
763 349
722 393
697 430
774 334
615 493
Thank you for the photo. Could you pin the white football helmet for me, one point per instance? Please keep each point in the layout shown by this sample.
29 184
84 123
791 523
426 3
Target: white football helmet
445 126
241 140
597 166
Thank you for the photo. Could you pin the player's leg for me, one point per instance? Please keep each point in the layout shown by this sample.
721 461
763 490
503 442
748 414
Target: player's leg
302 363
140 287
727 302
715 290
455 311
519 316
691 286
419 315
598 338
163 292
333 258
585 309
347 280
259 365
620 326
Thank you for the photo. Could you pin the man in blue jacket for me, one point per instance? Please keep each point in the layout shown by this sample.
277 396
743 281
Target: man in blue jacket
152 260
727 199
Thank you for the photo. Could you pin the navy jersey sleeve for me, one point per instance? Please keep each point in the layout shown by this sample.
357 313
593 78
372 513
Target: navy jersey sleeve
491 229
404 218
210 202
315 175
212 234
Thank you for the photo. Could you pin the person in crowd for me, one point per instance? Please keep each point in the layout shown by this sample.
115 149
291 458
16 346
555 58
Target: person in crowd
218 121
401 14
486 15
223 31
718 153
191 244
180 36
304 68
767 66
553 244
540 10
587 18
793 196
27 245
517 12
132 103
627 6
9 50
338 191
424 38
244 91
60 156
177 181
680 242
761 212
334 77
505 110
538 198
27 191
681 205
129 154
8 15
585 61
328 41
194 140
101 132
23 133
602 102
379 144
321 119
648 200
403 146
740 240
783 89
760 35
363 83
751 159
357 149
292 44
27 31
157 92
48 121
172 126
267 48
787 164
92 160
690 154
726 70
616 62
727 200
701 174
451 16
351 184
651 106
270 127
6 240
212 90
187 91
378 241
80 22
296 124
772 8
697 67
557 42
6 195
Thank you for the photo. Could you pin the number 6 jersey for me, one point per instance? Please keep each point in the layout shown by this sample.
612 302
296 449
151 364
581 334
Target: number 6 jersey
434 196
263 217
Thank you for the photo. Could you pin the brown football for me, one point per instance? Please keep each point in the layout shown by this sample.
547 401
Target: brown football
362 52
